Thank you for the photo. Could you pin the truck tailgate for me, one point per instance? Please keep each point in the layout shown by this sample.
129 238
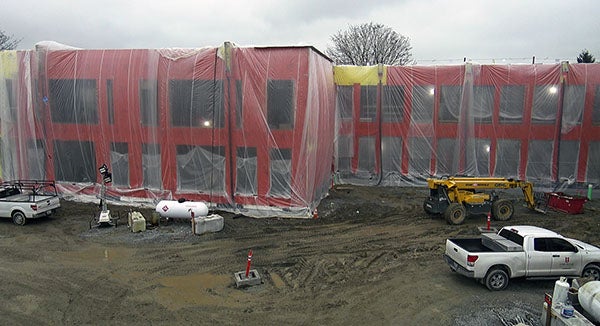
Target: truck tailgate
456 253
45 203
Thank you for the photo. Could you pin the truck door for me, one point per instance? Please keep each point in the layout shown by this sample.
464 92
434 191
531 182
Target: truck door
539 260
564 257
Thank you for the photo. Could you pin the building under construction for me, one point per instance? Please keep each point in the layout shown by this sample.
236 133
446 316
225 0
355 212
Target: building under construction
265 131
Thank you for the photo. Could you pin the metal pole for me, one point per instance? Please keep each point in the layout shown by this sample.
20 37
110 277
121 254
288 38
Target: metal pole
249 263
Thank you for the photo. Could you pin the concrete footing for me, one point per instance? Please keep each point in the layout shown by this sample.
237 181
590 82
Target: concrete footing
484 229
253 278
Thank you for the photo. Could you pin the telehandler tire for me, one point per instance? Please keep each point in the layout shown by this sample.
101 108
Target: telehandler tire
502 210
455 214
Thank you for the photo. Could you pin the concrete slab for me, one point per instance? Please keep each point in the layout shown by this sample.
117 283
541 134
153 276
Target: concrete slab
242 281
484 229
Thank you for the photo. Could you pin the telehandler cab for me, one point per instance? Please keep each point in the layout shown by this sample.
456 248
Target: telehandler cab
456 197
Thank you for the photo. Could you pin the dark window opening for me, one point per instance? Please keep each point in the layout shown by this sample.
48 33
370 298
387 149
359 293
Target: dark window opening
280 104
12 99
512 102
419 151
345 153
393 103
368 103
119 161
508 157
239 100
422 103
345 101
110 102
573 103
596 108
483 103
74 101
539 161
366 154
391 154
201 168
74 161
151 166
281 173
568 159
545 104
148 102
36 156
196 103
246 174
450 103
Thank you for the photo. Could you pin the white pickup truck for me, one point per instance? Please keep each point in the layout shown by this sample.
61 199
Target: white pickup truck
521 251
25 199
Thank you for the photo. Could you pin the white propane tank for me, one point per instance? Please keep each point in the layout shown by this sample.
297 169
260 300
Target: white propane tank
559 296
589 298
175 209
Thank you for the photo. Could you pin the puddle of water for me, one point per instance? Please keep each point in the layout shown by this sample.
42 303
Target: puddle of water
198 290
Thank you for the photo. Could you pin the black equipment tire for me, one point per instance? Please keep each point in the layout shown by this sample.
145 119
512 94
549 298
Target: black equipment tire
455 214
502 210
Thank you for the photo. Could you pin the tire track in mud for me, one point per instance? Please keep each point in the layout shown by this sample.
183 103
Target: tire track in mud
384 261
354 254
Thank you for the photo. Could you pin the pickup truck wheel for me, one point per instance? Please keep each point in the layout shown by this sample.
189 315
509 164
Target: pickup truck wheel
496 279
592 271
455 214
502 209
19 218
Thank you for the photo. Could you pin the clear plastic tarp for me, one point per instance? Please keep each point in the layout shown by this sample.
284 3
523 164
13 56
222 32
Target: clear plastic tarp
400 125
265 131
247 130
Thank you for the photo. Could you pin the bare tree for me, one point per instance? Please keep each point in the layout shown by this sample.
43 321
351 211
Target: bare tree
8 42
585 57
370 44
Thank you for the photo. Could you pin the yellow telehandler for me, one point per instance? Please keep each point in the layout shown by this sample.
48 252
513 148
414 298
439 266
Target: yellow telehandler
456 197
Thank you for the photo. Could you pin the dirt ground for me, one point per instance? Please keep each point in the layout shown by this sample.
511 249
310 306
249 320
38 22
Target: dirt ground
372 257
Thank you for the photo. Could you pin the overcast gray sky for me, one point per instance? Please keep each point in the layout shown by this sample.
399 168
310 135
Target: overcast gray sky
440 31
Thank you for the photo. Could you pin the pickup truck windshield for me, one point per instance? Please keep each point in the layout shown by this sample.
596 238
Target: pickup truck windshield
512 236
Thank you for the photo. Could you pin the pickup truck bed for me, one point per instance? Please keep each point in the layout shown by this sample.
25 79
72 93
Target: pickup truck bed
471 245
489 242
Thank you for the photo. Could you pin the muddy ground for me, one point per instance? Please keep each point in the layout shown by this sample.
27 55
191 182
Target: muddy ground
372 257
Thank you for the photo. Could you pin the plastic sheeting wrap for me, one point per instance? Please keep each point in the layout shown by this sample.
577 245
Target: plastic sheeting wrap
259 130
400 125
247 130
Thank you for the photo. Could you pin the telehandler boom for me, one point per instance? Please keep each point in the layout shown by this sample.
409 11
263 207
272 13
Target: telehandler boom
456 197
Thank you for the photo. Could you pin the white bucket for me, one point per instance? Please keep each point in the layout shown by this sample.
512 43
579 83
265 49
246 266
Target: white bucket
186 209
589 298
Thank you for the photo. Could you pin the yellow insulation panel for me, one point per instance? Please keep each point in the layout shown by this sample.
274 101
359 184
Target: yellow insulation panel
8 64
363 75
